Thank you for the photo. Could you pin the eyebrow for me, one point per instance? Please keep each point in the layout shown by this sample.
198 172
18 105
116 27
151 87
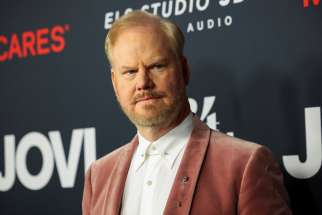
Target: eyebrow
158 59
128 67
151 62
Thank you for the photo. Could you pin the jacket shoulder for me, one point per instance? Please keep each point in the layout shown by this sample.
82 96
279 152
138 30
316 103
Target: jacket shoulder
237 157
226 143
239 150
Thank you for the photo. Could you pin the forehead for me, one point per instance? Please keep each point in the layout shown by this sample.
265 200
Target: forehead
143 43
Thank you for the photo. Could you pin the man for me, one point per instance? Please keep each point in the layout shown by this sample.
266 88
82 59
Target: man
175 164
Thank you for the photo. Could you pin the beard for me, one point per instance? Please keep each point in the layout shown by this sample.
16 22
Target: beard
156 114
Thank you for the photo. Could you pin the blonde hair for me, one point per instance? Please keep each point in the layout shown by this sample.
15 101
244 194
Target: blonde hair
142 18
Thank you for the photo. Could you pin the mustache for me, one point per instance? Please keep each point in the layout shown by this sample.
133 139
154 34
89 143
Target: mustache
145 94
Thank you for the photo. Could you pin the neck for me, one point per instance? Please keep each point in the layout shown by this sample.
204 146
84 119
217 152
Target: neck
155 132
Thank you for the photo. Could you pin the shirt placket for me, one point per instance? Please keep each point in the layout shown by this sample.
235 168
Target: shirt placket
147 206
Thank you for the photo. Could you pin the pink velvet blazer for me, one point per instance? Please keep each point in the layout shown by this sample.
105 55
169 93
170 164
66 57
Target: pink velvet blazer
218 174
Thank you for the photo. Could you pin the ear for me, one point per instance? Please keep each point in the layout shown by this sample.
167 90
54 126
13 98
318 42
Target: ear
113 80
185 70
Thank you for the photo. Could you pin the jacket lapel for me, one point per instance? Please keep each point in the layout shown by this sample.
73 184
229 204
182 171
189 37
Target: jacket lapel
118 176
182 191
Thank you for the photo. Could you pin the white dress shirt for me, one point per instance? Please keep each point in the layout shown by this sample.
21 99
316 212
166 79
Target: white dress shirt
152 171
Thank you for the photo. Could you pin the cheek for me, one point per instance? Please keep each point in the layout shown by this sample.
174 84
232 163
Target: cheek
174 85
172 89
124 95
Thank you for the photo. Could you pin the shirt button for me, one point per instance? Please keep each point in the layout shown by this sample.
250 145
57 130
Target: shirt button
179 204
154 148
149 183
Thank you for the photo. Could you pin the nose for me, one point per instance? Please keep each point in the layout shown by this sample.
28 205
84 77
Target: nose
144 81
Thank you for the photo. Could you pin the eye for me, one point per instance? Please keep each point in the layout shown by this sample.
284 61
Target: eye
130 72
157 67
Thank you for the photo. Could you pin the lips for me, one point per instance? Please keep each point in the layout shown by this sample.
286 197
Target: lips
146 99
146 96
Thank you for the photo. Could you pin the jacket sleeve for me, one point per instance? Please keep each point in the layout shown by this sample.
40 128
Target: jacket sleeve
87 192
262 189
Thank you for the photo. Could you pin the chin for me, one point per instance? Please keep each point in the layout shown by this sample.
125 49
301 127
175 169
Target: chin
148 118
149 122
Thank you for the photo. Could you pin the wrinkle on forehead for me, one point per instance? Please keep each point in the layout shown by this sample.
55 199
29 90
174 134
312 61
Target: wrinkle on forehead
140 44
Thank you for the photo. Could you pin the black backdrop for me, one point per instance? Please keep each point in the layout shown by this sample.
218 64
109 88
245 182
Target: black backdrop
255 73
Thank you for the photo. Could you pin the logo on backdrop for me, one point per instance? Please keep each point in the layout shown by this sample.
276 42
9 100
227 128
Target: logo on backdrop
167 9
42 41
307 3
52 153
307 169
206 115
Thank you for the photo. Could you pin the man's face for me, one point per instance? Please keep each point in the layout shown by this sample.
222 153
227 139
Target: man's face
148 79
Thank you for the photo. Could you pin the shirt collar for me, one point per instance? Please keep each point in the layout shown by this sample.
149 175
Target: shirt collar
167 146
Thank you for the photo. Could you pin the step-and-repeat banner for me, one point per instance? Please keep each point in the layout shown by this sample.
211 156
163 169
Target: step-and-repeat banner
256 73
